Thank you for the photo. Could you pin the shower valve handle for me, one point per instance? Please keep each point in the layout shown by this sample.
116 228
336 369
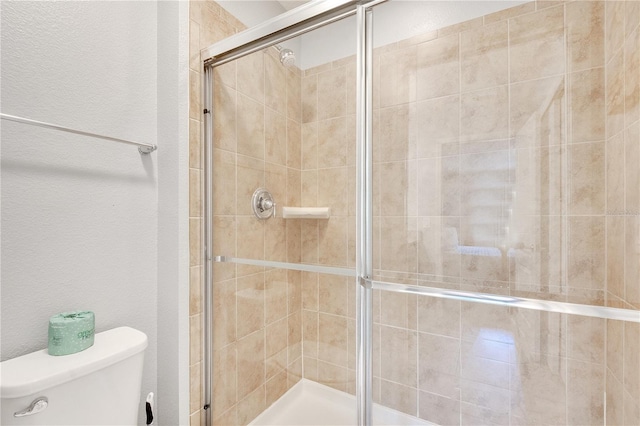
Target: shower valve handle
263 205
266 204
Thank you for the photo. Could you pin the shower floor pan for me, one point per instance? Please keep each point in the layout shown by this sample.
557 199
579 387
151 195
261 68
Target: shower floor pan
310 403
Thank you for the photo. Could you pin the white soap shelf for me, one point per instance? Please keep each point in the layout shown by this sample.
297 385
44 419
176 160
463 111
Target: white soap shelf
306 212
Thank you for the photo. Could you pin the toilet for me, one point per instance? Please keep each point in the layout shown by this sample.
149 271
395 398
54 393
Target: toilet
98 386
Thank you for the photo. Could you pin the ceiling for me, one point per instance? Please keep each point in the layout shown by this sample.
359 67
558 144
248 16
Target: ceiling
291 4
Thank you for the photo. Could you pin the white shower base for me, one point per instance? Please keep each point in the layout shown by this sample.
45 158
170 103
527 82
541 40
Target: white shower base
310 403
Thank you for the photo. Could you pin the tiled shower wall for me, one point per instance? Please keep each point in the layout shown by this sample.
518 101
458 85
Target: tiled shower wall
622 70
501 135
493 172
257 313
328 179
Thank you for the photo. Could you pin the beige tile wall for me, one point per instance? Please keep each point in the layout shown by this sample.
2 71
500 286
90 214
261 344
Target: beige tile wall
622 103
514 134
491 135
327 177
257 311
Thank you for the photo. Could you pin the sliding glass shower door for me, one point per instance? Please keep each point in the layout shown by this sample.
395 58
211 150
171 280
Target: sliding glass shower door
282 204
505 227
455 229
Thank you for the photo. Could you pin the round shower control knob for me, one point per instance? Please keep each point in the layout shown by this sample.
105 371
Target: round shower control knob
263 205
266 204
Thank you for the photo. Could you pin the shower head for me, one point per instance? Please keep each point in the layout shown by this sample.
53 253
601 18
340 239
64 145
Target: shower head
287 57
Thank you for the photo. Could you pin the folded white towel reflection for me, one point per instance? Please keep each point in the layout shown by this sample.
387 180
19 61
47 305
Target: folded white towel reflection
450 244
479 251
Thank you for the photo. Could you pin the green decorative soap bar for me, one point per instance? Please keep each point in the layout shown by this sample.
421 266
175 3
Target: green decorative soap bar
71 332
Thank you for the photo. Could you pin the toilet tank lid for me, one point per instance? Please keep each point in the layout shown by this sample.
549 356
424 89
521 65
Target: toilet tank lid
38 371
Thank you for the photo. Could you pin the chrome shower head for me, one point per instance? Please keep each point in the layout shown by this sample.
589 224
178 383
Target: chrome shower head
287 57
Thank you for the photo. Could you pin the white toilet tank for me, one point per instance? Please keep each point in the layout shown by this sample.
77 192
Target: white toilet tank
98 386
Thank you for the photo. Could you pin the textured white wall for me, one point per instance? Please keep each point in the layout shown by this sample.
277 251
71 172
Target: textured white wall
80 216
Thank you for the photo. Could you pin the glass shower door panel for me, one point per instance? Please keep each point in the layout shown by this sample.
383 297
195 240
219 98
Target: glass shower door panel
327 179
257 338
499 173
456 362
284 288
490 167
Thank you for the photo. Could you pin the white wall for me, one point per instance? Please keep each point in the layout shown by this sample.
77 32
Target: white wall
252 13
173 212
80 216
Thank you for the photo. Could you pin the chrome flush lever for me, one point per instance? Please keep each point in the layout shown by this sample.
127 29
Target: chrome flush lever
38 405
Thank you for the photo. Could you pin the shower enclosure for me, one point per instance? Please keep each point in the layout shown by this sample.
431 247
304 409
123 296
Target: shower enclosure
461 186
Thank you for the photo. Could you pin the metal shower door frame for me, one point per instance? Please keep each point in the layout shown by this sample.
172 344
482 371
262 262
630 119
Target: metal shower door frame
291 24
